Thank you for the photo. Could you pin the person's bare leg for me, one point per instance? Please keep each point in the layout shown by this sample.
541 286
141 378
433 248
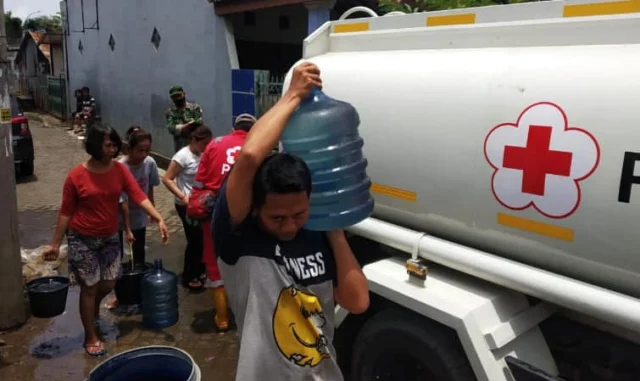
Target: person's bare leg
104 288
221 305
87 315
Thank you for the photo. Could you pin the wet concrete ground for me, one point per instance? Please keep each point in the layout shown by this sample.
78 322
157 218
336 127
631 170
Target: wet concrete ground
51 349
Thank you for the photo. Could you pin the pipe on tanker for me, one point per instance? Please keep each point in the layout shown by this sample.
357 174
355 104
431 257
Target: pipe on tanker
357 9
610 306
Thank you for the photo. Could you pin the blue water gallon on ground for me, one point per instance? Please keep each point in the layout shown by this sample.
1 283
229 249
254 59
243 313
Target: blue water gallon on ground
159 297
324 133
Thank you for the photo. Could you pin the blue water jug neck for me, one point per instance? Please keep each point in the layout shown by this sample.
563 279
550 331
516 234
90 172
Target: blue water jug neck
316 95
158 265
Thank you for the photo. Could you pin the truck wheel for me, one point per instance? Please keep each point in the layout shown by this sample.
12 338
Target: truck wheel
398 345
26 168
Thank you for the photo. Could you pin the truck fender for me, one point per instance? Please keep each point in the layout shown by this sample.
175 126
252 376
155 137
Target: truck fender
491 322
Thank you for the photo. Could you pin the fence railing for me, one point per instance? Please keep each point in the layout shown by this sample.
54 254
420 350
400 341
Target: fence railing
268 90
57 96
255 91
48 93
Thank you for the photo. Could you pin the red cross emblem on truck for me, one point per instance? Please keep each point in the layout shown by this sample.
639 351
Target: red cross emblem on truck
539 161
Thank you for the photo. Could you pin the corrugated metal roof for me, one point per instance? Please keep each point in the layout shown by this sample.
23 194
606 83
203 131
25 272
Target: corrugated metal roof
51 38
44 48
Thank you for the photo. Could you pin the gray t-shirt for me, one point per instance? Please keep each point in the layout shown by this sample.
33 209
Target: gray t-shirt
189 163
282 296
146 174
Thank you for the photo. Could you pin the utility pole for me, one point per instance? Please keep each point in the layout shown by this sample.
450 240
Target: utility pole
13 310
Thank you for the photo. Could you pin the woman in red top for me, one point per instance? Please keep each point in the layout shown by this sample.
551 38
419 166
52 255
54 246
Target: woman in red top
89 217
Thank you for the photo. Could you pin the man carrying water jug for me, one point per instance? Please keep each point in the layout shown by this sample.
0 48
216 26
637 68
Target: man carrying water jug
282 280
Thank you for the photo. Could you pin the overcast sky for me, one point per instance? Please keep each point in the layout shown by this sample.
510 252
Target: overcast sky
22 8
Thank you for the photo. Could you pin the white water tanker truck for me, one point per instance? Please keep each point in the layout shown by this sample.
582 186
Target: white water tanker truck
504 148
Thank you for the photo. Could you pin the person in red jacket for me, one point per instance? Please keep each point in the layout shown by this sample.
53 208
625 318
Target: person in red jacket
89 218
215 164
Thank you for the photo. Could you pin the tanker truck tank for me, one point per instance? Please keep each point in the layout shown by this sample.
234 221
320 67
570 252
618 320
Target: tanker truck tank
523 146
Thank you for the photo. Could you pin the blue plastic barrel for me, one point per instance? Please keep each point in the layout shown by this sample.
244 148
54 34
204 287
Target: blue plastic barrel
324 133
152 363
159 297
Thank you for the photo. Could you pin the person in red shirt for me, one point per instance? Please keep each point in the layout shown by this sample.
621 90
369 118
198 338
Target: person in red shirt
215 164
89 217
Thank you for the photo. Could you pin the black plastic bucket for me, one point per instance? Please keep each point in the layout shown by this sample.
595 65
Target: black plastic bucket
48 296
128 287
153 363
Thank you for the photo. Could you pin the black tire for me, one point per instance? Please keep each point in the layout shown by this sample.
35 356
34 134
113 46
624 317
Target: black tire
26 168
397 345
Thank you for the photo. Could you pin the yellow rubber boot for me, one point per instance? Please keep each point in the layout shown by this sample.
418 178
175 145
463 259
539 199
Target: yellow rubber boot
221 305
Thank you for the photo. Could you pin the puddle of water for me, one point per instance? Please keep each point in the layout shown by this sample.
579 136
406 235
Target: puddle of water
59 346
55 348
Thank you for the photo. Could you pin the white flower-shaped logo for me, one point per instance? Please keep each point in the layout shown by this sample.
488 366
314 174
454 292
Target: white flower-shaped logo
232 153
540 160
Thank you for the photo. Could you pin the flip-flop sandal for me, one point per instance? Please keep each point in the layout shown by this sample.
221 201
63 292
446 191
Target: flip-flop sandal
193 281
221 326
188 285
95 345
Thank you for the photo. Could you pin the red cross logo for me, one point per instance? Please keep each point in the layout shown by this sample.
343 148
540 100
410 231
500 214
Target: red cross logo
536 160
527 172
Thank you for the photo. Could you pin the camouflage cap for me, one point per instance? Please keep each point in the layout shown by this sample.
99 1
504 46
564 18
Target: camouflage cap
175 90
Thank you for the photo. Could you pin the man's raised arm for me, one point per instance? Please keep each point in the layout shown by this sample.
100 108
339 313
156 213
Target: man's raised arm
264 135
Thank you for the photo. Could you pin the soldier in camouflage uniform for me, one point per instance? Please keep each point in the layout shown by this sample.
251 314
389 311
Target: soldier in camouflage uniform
180 116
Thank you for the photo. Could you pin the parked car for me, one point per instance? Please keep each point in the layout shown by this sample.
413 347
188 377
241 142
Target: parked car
23 152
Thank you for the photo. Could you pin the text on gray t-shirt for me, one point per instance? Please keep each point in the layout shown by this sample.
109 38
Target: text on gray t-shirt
282 296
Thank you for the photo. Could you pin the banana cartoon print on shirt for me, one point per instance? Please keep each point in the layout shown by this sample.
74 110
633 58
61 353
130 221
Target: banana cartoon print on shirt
297 327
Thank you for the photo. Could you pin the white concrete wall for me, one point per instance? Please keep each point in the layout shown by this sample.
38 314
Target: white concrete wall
131 83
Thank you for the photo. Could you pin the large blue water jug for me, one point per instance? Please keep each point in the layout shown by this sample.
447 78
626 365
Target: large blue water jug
159 297
324 133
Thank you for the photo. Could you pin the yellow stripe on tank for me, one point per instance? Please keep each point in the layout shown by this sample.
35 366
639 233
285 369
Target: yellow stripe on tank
461 19
401 194
600 9
352 27
542 228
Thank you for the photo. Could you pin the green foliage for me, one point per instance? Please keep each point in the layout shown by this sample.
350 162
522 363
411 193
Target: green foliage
413 6
13 26
48 23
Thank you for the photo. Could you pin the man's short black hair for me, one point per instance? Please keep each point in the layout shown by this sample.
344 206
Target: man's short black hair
95 138
244 126
200 132
85 88
280 173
